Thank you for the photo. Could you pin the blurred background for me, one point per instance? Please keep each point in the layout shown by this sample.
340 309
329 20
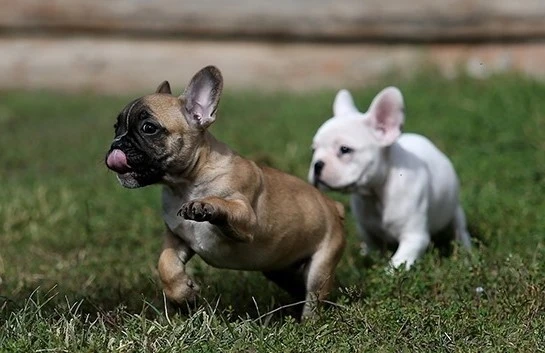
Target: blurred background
78 253
121 46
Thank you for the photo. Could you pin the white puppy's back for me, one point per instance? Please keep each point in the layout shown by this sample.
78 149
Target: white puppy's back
443 180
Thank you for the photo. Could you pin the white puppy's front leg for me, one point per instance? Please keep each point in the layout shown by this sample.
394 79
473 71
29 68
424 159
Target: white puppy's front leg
411 247
367 244
460 228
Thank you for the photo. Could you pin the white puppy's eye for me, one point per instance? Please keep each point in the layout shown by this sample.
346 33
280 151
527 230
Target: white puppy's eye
345 150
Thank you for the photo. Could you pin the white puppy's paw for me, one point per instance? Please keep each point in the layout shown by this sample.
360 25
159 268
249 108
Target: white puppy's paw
391 270
364 249
398 263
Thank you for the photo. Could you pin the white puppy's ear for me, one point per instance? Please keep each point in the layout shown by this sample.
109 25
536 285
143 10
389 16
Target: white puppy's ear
343 104
201 97
386 115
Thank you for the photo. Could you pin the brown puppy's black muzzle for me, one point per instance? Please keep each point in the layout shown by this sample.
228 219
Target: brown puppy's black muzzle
116 160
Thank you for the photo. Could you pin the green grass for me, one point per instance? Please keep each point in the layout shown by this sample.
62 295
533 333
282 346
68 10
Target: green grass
78 252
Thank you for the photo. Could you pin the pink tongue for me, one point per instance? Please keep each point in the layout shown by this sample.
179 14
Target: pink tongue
117 161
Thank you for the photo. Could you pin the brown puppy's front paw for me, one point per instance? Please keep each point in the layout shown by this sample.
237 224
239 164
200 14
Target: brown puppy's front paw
183 290
197 211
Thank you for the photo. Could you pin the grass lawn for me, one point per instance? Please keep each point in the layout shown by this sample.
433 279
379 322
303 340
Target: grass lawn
78 252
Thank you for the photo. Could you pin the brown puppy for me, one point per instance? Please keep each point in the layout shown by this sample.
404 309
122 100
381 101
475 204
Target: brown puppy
216 204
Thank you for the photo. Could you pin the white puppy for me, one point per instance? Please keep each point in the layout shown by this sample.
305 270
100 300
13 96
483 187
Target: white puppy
404 190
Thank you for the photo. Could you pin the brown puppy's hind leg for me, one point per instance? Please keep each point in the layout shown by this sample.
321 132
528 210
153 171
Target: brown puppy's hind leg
291 279
177 285
320 273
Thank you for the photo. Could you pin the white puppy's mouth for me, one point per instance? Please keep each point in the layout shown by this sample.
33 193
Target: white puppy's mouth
346 188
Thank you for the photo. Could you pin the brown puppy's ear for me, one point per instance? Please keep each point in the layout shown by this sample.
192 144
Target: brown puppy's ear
201 97
164 87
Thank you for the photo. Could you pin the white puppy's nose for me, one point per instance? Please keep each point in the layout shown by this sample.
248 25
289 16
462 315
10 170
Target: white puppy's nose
318 166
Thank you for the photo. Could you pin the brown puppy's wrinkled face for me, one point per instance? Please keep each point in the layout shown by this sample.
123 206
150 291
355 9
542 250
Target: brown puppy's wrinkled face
156 136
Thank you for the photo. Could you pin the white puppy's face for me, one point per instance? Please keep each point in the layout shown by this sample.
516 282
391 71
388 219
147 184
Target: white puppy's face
347 149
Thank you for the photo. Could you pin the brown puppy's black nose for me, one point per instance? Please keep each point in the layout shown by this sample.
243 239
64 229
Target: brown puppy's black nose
318 166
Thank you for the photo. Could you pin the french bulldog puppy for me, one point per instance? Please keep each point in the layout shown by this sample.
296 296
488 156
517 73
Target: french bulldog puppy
219 205
403 189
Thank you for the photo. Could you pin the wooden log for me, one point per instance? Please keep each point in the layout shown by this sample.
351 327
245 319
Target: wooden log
348 20
122 66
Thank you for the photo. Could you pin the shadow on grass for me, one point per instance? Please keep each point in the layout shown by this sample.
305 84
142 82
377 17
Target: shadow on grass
230 298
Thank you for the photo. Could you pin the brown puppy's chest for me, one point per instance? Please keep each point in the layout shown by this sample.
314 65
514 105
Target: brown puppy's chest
209 243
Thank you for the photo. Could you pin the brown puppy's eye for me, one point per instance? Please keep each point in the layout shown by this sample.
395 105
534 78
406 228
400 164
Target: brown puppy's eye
345 150
149 128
